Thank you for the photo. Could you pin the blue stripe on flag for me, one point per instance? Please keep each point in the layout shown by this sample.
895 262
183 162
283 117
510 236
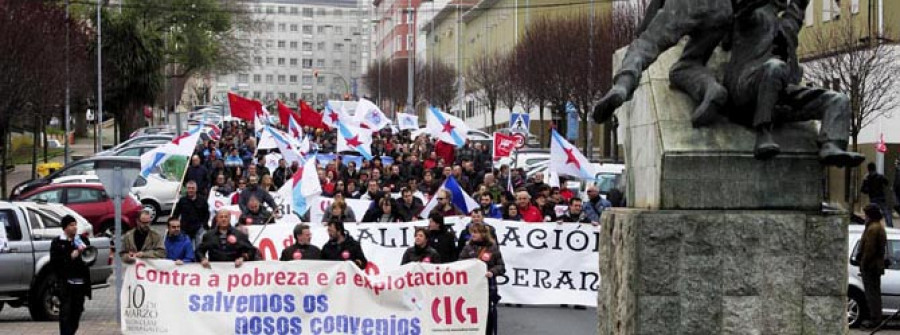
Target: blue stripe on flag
453 134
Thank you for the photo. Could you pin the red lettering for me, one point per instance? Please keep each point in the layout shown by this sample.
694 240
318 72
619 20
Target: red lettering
322 279
266 245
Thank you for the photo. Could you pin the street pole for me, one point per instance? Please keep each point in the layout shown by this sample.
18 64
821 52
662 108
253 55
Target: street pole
590 128
459 77
68 81
117 203
409 59
99 117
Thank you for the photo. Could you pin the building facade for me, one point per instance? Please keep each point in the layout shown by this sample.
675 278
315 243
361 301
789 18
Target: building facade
311 49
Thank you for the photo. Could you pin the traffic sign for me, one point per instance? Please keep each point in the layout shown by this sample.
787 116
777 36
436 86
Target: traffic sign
520 140
518 123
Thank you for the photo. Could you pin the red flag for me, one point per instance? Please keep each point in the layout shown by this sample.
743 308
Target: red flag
881 146
309 117
285 112
243 108
503 145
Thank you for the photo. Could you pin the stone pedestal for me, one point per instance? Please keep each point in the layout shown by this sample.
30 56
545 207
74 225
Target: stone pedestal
722 272
718 242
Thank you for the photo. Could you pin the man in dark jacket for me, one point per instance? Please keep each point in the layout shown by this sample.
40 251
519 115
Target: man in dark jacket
193 212
281 174
408 207
441 238
871 262
575 213
342 247
874 186
254 190
225 243
73 274
897 185
465 235
301 249
198 174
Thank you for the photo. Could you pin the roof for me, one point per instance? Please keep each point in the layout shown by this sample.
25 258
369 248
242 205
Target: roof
447 11
478 9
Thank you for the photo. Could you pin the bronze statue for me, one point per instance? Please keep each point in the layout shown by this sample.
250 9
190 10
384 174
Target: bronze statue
762 78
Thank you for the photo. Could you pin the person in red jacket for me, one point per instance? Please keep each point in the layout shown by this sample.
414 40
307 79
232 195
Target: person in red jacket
446 151
529 212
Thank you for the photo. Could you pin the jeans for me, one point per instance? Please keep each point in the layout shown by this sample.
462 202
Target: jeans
71 306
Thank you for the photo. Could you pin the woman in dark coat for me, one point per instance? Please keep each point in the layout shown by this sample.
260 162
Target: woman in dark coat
483 247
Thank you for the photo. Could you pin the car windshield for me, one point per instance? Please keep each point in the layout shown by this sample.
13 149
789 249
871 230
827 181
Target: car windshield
606 181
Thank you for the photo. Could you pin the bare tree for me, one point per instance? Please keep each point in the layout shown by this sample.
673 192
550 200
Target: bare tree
435 84
509 92
485 76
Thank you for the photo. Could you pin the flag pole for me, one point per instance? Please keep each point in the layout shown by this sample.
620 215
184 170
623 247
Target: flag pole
180 184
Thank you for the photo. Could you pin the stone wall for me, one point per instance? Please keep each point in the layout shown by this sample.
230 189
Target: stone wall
722 272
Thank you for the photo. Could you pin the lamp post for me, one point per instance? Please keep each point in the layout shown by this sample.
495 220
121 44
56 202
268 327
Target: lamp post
410 53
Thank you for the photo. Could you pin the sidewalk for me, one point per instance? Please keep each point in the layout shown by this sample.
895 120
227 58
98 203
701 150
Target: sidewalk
83 147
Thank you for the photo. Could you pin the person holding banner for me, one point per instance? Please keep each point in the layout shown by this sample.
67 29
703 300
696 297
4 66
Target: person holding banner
484 248
465 235
224 243
255 190
575 213
420 251
72 272
301 249
342 247
178 246
255 213
142 242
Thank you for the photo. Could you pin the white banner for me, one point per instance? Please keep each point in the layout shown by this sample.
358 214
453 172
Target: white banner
546 263
303 297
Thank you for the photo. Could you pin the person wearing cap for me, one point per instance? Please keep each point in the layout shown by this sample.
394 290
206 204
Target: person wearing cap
301 249
342 247
72 273
871 262
224 243
441 238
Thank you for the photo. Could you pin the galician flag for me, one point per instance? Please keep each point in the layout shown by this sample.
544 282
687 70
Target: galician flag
294 129
408 121
566 160
183 145
288 147
352 138
334 116
304 184
369 114
447 128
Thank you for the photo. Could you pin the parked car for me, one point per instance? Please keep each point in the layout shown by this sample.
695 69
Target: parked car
138 150
46 217
25 278
135 141
156 193
524 158
77 168
890 282
89 200
153 130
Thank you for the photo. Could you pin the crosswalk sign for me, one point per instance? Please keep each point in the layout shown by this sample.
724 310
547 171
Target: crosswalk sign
518 123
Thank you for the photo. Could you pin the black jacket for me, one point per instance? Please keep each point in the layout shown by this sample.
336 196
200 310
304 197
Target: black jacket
280 176
424 255
874 186
199 175
218 249
193 213
444 242
409 212
333 251
465 236
308 252
580 217
65 267
487 253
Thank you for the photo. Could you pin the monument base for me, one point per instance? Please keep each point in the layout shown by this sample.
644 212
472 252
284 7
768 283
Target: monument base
722 272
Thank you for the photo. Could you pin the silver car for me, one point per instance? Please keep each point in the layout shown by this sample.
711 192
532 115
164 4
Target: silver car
857 309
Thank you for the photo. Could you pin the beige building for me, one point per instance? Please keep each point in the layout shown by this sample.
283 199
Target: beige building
464 30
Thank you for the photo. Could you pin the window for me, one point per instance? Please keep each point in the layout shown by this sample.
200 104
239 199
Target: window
307 63
307 12
320 96
270 78
338 30
810 16
854 6
243 78
11 224
353 48
293 62
258 61
320 79
257 78
280 61
338 63
307 29
320 12
307 46
270 10
307 80
270 44
83 195
282 10
338 47
293 96
294 45
256 94
293 79
398 43
294 10
78 169
410 42
353 65
282 27
338 13
320 46
282 44
281 78
269 60
49 218
257 43
294 27
270 96
320 62
410 16
831 10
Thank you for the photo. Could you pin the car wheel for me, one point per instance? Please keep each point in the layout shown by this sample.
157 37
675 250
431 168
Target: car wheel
153 208
43 304
856 309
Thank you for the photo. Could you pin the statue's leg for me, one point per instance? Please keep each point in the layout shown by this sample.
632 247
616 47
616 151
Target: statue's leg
664 31
833 109
769 80
691 75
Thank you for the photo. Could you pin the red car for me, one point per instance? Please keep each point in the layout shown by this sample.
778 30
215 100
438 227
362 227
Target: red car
91 202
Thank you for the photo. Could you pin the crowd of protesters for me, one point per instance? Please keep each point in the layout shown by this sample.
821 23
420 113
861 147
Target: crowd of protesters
232 166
